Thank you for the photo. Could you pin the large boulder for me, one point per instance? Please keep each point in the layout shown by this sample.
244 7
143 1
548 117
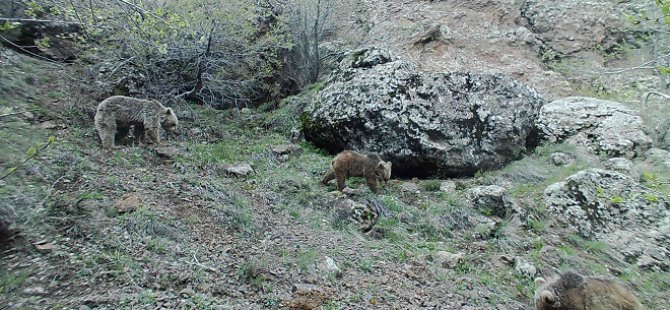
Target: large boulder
612 207
441 124
602 126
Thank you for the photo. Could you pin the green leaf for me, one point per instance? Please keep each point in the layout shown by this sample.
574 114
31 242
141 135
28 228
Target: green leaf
667 20
31 151
665 9
663 69
51 139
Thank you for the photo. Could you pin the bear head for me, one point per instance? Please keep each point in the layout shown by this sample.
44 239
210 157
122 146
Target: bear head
170 121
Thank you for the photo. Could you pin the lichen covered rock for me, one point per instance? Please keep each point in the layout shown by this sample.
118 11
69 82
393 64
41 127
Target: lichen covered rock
441 124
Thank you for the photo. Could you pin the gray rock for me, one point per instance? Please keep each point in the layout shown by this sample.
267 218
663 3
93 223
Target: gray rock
426 124
296 135
303 287
658 157
35 290
611 206
622 165
524 267
239 170
169 152
448 187
561 159
570 26
493 200
410 187
286 149
448 260
328 266
599 125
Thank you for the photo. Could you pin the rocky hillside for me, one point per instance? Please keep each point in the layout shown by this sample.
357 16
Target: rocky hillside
527 138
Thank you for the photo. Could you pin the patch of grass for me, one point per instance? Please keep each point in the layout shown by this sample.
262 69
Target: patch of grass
596 246
251 273
431 185
465 268
306 259
157 245
10 282
146 222
331 305
365 265
537 225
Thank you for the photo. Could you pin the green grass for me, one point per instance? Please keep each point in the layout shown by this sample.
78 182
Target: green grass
10 282
365 265
306 259
252 273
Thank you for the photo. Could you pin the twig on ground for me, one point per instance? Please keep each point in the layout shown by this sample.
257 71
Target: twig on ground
646 96
15 113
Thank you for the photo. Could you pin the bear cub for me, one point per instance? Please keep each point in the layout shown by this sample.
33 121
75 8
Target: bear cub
572 291
352 164
115 116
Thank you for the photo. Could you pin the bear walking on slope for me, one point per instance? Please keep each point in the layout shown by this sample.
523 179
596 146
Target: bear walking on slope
352 164
115 115
571 291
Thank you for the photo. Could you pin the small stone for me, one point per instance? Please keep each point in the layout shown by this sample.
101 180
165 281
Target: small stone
448 187
36 290
448 260
646 262
285 149
409 187
168 151
28 115
561 159
283 158
623 165
349 191
296 135
524 267
302 287
187 292
328 265
49 125
501 261
239 170
129 202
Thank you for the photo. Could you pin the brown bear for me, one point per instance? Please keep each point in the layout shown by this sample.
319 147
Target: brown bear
572 291
115 116
352 164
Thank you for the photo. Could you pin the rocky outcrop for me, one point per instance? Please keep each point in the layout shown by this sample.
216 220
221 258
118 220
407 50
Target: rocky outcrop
567 27
493 200
600 125
440 124
55 40
613 207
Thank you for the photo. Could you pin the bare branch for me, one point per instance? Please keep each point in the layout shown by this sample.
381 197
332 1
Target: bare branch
16 113
646 97
39 21
641 66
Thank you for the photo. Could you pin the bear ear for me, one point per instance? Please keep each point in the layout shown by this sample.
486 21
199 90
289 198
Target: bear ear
168 111
548 297
539 282
380 165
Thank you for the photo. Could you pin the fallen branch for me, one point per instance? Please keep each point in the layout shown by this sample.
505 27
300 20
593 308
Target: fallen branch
646 97
641 66
38 21
15 113
32 153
